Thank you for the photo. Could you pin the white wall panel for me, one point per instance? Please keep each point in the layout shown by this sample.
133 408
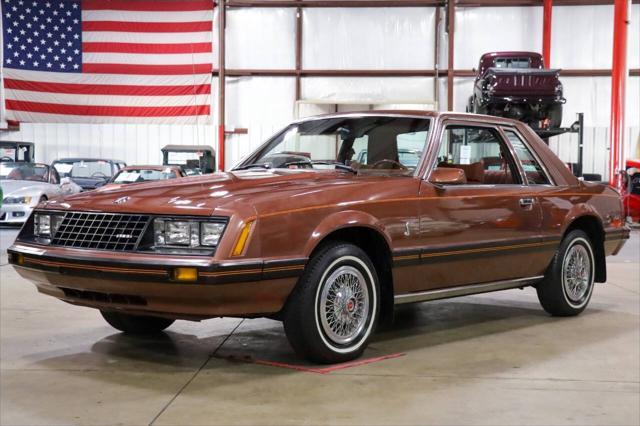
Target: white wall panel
379 89
261 104
261 38
582 37
487 29
362 38
634 36
133 143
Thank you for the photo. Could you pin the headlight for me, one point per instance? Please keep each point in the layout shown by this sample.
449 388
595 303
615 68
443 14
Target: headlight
46 225
17 200
187 233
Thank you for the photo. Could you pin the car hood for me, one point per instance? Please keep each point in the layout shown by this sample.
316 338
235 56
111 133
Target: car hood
215 194
16 188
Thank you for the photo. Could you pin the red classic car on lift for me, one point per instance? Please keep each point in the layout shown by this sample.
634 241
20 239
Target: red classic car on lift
631 190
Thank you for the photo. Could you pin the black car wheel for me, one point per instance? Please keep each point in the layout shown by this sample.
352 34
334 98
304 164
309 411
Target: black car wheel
554 114
568 283
334 309
136 324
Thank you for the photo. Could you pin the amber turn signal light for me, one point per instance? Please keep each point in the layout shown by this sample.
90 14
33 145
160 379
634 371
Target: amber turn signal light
185 274
241 242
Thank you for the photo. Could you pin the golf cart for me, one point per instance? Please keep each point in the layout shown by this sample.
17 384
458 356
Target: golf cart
17 151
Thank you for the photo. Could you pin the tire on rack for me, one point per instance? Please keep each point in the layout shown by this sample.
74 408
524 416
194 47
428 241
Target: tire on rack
333 311
554 113
569 280
136 324
479 109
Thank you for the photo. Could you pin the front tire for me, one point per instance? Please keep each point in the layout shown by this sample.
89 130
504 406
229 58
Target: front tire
568 283
334 309
136 324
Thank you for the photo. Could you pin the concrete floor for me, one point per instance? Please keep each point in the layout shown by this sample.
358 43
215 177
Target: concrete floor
489 359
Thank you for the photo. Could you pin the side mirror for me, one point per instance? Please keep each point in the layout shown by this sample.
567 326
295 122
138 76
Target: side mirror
447 176
65 181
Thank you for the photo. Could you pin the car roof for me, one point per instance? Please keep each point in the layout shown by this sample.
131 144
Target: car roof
512 53
150 167
187 148
25 163
416 114
74 159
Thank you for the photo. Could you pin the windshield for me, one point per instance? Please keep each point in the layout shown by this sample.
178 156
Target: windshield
24 171
389 144
97 169
143 175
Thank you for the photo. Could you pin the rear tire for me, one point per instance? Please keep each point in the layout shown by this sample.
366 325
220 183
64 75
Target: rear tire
334 309
568 283
477 108
136 324
554 114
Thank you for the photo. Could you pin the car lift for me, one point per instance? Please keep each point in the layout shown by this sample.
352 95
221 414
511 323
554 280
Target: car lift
576 127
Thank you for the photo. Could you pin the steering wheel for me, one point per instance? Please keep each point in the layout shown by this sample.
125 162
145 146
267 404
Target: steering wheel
100 175
5 158
379 163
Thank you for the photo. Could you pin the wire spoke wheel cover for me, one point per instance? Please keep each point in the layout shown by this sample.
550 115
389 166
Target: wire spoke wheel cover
577 273
344 305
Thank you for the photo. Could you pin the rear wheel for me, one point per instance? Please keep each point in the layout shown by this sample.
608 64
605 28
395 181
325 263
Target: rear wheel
136 324
334 309
477 108
554 113
568 284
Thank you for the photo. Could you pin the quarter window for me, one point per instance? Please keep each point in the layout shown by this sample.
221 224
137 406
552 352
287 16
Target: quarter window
480 152
532 168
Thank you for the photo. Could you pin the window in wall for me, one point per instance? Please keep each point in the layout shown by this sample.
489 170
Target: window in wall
535 173
480 152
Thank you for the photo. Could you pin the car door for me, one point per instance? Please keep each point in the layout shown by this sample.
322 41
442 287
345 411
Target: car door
486 229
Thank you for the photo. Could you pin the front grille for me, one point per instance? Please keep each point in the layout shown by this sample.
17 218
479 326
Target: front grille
103 231
94 296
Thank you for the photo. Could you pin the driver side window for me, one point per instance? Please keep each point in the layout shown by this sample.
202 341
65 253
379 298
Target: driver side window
480 152
407 150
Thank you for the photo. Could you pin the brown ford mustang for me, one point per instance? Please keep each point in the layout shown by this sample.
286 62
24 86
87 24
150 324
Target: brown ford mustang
328 225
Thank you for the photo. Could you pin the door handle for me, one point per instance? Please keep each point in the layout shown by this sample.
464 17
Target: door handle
526 203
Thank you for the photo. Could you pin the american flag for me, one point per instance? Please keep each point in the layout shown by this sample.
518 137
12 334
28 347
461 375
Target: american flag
98 61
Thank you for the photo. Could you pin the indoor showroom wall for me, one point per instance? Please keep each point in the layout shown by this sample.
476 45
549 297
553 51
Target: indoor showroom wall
396 38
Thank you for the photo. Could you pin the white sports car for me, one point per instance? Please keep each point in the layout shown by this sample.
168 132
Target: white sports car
24 185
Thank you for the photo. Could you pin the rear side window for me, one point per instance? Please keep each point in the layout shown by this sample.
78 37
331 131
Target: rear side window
531 166
480 152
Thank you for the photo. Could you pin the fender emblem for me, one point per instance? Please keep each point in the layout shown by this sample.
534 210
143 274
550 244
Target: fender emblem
121 200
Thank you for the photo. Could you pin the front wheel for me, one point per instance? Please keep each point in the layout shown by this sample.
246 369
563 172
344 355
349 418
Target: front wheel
334 309
136 324
568 283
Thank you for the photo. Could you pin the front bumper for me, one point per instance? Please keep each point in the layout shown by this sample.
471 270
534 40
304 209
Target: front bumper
147 283
14 214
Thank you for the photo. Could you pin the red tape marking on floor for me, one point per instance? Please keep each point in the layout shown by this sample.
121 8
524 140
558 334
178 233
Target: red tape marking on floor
324 370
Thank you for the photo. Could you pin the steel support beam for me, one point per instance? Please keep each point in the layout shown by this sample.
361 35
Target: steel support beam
451 30
222 22
546 33
618 78
298 53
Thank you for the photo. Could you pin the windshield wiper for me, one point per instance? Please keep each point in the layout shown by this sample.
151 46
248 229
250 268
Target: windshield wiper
254 166
338 166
